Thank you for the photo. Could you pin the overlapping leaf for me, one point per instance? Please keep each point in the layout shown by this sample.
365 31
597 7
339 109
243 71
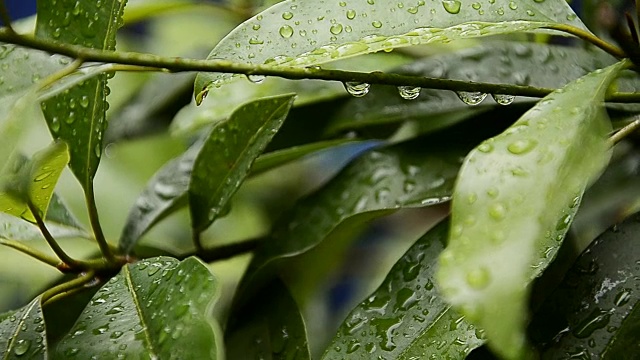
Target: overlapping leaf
539 65
515 197
272 327
156 308
32 181
23 334
228 153
78 116
406 318
303 33
594 312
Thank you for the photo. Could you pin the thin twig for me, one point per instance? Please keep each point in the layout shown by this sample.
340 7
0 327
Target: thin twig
94 219
293 73
225 251
49 260
70 286
589 37
625 131
53 244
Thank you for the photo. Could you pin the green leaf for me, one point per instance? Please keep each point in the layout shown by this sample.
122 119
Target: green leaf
33 182
156 308
79 115
515 197
539 65
271 328
304 33
406 317
411 174
228 153
23 333
219 107
594 312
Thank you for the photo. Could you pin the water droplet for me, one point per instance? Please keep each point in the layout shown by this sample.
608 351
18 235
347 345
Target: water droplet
98 150
351 14
336 29
622 297
21 347
478 278
286 31
287 15
476 6
523 146
597 319
42 176
357 89
452 6
485 147
503 99
471 98
153 269
376 24
256 79
409 92
497 211
513 5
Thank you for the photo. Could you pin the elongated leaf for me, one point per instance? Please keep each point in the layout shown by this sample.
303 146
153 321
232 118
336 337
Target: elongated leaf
228 153
271 328
411 174
303 33
539 65
33 182
515 197
23 334
79 115
406 318
593 313
156 308
219 107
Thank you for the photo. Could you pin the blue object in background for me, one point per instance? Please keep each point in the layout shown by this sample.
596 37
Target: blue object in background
19 9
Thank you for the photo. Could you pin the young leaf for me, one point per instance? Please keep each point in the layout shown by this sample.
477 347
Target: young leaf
79 115
539 65
228 153
23 334
594 312
515 197
33 182
156 308
304 33
406 318
270 328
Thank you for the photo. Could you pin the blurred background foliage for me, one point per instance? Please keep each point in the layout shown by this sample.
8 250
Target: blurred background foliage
142 138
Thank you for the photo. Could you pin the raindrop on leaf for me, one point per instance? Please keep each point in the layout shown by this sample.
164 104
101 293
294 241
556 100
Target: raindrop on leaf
409 92
503 99
357 89
471 98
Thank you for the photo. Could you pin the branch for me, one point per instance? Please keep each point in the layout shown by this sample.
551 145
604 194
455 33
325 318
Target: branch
293 73
49 260
625 131
105 249
68 287
225 251
6 18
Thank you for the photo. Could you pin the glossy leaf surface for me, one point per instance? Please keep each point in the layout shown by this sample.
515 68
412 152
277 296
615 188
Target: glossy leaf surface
406 317
539 65
304 33
79 115
514 200
156 308
412 174
23 334
228 153
33 181
593 313
271 328
219 107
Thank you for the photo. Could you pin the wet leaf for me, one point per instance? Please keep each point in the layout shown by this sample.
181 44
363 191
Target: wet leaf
219 107
539 65
156 308
514 200
416 173
406 317
271 328
33 181
79 115
303 33
23 333
594 312
228 153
